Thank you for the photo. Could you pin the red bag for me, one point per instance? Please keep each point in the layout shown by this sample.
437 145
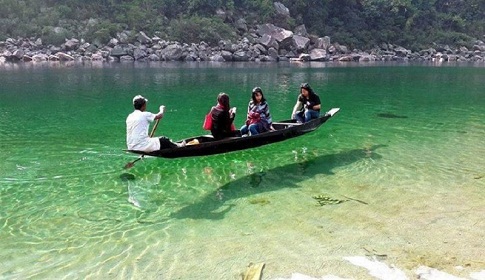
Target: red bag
207 122
253 117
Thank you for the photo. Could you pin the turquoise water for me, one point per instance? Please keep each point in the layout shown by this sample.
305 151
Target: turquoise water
405 155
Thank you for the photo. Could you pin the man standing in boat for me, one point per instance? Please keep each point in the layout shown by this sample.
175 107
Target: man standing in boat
137 124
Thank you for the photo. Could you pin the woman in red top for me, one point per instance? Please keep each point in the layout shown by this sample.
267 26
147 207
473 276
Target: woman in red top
222 118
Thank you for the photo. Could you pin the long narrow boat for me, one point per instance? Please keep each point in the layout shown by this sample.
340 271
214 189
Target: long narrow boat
206 145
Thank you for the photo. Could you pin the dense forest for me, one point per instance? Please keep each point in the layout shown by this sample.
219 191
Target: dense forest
356 23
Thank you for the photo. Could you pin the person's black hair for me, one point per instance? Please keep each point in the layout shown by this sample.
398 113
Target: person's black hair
253 94
307 87
223 99
138 103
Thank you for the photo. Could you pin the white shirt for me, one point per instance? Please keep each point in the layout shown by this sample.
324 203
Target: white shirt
137 138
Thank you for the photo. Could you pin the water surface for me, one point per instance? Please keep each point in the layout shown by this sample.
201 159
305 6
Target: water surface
405 155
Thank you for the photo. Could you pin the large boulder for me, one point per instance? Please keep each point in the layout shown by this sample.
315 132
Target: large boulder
240 56
98 56
273 53
113 42
143 38
278 33
71 44
281 9
341 48
260 49
40 57
301 30
241 25
173 52
268 41
227 55
217 58
300 43
322 43
118 51
402 52
17 54
126 58
64 56
139 54
318 55
38 43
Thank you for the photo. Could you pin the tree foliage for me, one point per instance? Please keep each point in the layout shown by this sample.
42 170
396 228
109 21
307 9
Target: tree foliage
358 23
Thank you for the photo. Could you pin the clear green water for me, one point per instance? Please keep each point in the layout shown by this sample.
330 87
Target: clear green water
408 141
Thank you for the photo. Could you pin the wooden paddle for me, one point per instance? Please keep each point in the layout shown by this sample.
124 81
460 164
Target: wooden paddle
131 164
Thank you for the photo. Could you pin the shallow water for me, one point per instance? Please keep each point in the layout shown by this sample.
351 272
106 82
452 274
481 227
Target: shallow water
405 156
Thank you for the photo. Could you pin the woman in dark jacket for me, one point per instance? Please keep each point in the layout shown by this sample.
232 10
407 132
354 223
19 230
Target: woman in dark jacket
307 106
222 118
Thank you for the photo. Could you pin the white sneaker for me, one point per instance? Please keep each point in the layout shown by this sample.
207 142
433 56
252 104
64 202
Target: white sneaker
183 144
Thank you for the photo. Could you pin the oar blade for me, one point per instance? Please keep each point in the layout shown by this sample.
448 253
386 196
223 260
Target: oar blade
132 163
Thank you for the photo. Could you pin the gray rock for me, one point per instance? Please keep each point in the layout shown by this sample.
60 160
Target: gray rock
300 43
113 42
478 47
227 55
40 57
53 57
323 43
402 52
64 57
240 56
305 57
118 51
318 55
25 44
345 58
18 54
173 52
71 44
156 39
241 25
54 49
97 56
273 53
143 38
260 49
341 48
278 33
38 43
281 9
301 30
269 42
139 54
463 49
216 57
123 37
126 58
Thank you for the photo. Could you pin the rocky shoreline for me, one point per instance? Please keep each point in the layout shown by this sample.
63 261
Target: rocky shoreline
266 42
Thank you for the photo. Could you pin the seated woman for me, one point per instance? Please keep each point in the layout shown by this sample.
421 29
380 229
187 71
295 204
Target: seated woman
259 118
307 106
222 118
